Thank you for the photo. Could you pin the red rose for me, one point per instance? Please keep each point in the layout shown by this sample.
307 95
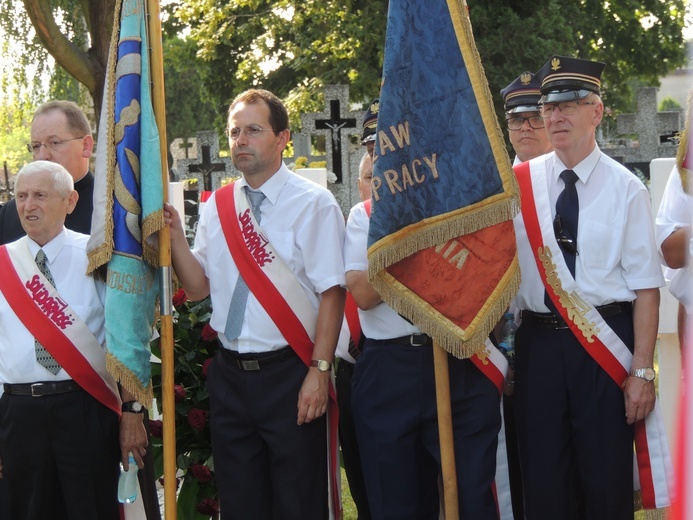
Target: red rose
180 298
208 507
205 366
208 333
201 472
197 419
157 428
178 393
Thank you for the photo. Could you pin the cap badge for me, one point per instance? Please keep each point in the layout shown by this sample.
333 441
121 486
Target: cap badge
525 78
555 64
375 107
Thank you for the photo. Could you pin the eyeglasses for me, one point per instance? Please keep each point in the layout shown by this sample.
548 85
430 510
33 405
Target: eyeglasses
566 107
250 131
565 240
53 145
516 122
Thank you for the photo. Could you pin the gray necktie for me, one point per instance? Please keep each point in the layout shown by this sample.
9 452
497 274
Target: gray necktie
42 355
234 321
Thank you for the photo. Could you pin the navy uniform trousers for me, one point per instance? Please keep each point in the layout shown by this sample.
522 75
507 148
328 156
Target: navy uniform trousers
571 427
394 406
267 467
61 457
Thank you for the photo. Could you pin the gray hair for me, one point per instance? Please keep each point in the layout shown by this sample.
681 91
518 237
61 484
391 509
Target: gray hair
61 179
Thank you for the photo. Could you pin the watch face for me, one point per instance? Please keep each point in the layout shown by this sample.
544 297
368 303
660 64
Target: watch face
649 374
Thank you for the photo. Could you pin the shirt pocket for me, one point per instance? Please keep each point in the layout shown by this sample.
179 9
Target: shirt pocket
598 244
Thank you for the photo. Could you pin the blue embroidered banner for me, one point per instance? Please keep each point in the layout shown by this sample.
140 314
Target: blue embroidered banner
441 241
128 202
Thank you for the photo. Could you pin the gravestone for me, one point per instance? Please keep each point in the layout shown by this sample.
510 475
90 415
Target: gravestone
207 167
654 130
338 125
302 148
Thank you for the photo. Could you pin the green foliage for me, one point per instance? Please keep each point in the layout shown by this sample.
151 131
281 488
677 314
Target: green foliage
669 103
295 48
290 47
15 119
195 344
188 105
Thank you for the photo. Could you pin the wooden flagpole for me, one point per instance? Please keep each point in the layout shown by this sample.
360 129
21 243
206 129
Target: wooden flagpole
447 443
165 292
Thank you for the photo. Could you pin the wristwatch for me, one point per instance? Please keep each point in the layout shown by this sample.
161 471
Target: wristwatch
648 374
132 407
321 365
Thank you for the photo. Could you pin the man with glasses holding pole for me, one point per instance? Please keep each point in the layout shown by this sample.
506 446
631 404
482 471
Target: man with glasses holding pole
60 133
589 297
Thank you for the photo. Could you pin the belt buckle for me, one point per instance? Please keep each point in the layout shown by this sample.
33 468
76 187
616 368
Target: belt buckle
250 364
36 386
419 343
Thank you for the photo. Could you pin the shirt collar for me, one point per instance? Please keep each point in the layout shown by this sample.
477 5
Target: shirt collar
52 248
583 169
273 185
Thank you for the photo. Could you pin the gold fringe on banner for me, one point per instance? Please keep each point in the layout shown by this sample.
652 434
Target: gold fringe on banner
439 229
461 343
127 380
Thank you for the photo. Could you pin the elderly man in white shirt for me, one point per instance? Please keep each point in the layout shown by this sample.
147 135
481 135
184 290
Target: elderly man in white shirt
59 413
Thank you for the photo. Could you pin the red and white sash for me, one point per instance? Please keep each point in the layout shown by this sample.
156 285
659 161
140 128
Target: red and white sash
492 363
653 468
276 288
54 324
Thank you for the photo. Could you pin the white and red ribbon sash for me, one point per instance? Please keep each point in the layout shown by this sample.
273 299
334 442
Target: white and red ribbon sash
276 288
54 324
494 366
653 468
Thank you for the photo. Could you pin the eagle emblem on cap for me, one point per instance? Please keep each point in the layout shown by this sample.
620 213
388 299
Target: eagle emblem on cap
375 107
555 64
525 78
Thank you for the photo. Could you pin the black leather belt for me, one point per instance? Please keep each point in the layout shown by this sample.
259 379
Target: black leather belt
415 340
42 389
255 361
551 321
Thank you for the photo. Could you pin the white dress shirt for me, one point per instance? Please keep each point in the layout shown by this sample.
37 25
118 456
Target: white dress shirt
380 322
305 226
676 212
616 243
67 262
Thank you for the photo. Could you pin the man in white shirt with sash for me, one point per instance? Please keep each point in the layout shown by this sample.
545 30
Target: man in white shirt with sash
60 408
584 363
270 384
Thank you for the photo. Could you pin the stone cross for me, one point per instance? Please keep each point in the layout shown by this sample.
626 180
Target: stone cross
208 164
335 126
650 126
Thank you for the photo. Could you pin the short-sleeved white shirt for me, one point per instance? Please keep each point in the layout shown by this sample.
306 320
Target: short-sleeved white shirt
616 243
380 322
305 226
67 262
676 212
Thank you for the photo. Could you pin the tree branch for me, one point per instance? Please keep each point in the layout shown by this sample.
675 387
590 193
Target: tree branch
70 57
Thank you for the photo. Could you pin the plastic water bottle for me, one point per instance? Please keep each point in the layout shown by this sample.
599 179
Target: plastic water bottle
127 482
507 344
